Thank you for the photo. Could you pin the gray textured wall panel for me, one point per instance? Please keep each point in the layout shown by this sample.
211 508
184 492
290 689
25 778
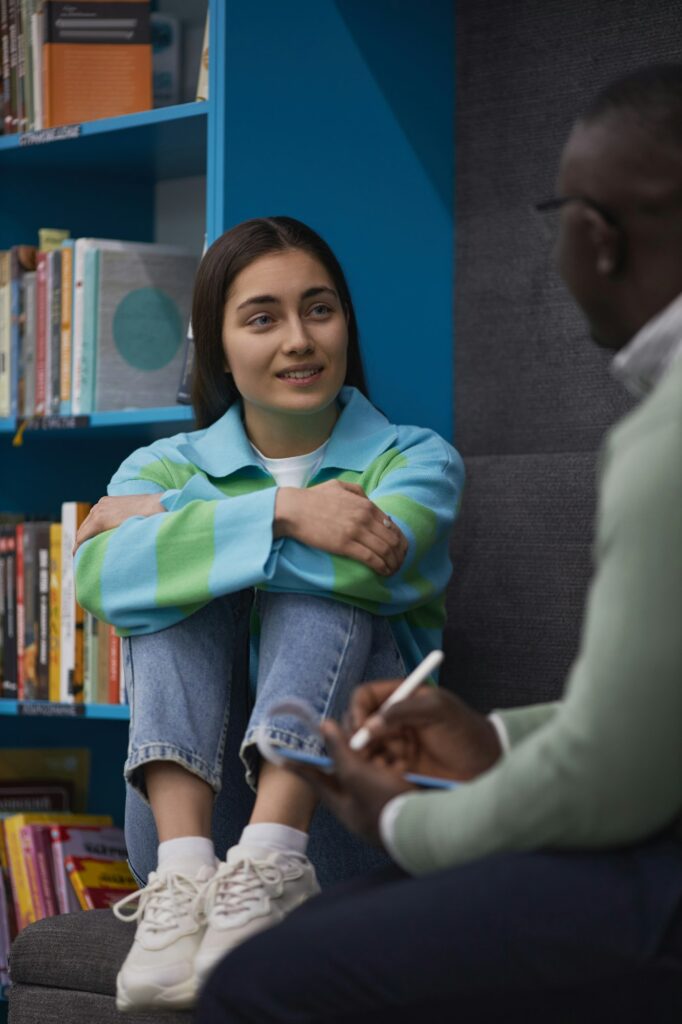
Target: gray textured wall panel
527 376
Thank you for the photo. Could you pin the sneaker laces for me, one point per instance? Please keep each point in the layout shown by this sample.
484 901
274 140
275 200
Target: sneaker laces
166 897
237 886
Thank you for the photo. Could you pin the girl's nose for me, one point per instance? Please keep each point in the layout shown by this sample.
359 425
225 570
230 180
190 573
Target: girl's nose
298 339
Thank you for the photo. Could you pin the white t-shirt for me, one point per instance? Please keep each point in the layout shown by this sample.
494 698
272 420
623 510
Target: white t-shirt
295 471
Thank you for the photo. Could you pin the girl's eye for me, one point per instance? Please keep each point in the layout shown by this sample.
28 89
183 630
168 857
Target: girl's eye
320 309
262 320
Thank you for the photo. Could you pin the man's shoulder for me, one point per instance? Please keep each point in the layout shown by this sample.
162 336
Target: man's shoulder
656 421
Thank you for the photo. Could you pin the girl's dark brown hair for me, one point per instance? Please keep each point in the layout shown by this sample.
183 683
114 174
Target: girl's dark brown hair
213 390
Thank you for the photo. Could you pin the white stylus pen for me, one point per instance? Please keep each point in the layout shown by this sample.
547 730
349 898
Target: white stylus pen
423 670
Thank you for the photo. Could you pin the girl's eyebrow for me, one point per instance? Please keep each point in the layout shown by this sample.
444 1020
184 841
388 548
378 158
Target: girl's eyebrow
262 300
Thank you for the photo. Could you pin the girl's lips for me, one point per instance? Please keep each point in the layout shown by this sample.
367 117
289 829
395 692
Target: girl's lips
310 378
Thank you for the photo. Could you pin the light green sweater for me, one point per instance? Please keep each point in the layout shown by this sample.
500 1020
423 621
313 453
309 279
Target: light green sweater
604 766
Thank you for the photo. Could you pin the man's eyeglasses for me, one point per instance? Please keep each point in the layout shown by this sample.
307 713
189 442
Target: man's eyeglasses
550 208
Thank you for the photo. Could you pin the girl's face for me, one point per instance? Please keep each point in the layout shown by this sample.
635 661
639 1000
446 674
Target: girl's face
285 339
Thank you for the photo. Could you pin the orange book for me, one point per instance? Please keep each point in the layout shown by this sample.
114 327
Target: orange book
97 60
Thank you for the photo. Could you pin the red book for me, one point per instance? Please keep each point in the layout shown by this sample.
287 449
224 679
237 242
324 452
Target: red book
41 334
114 666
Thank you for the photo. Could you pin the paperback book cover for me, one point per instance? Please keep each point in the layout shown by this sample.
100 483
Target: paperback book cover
105 46
143 309
99 884
101 842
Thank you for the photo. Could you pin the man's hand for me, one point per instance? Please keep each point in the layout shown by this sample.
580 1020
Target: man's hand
358 790
111 512
430 733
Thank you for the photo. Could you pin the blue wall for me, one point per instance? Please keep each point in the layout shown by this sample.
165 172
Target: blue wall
341 114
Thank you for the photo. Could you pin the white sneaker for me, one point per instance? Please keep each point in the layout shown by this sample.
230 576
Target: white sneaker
252 891
159 969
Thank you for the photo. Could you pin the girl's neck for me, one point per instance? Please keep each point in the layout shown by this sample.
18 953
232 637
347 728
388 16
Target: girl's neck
282 436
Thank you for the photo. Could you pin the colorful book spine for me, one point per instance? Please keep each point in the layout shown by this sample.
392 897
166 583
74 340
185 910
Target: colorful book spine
9 625
55 609
66 327
5 318
28 392
83 841
21 611
18 870
41 334
42 535
71 666
89 338
114 691
55 329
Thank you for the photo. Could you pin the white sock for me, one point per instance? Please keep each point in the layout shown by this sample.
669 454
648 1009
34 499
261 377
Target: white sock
187 854
275 837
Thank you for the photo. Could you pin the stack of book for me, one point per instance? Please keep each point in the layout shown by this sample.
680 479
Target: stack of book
50 648
54 859
91 324
68 62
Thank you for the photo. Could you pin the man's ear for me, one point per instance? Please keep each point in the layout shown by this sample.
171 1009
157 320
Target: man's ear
607 241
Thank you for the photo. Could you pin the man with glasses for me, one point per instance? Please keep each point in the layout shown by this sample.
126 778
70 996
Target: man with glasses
548 886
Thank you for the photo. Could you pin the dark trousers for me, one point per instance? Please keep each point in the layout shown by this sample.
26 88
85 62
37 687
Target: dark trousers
557 938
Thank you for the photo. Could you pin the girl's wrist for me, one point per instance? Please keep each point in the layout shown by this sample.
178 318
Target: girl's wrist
283 521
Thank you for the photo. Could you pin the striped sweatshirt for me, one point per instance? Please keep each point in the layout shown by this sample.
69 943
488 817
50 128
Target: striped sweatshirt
216 536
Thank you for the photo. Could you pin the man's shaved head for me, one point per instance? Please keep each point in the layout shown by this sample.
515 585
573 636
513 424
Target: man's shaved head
625 153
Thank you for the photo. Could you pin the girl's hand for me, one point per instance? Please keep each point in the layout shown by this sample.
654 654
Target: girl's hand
111 512
339 518
430 733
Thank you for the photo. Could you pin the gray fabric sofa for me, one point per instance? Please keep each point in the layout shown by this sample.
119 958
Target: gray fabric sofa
521 556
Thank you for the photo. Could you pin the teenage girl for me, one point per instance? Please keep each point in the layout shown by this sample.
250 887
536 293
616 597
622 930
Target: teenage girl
297 517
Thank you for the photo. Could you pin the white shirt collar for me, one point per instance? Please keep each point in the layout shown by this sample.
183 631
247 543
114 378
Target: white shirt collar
652 351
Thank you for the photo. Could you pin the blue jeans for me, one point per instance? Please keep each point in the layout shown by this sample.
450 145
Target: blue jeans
191 704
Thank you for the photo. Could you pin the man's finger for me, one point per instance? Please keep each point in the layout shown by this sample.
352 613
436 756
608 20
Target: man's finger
368 698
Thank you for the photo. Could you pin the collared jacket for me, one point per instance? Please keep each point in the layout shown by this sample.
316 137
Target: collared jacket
216 536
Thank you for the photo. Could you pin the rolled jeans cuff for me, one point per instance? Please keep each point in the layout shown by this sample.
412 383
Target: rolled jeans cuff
251 758
148 752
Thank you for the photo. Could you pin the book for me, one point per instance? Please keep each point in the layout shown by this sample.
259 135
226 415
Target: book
36 849
55 604
202 78
36 554
41 335
144 304
54 330
22 258
103 662
17 864
99 884
9 624
114 677
71 635
102 842
66 325
132 318
27 379
62 766
5 932
165 31
107 48
20 597
5 319
19 795
6 90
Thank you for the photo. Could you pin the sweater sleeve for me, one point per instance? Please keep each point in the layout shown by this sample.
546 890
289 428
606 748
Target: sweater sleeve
153 571
606 767
420 488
